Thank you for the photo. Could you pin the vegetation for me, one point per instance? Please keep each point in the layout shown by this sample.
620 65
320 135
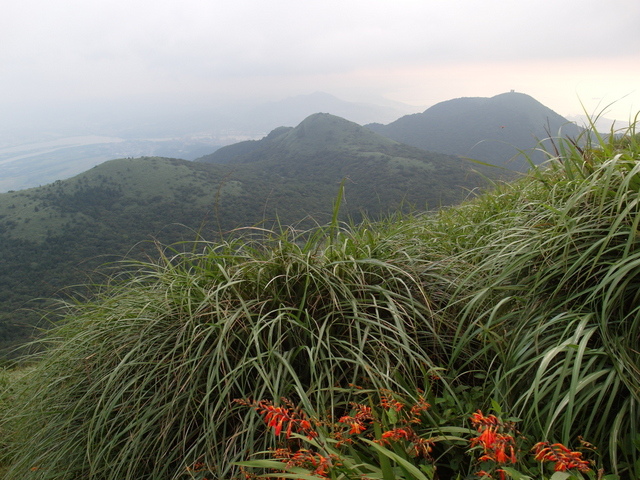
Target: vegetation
55 236
523 301
391 436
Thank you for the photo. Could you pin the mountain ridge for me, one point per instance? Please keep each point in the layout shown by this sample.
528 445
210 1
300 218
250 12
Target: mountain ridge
317 132
154 130
490 129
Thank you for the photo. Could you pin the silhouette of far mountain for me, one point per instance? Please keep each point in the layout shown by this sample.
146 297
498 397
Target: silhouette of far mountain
491 130
292 110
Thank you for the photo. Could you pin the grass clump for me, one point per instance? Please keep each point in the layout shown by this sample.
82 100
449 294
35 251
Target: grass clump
551 291
141 383
525 299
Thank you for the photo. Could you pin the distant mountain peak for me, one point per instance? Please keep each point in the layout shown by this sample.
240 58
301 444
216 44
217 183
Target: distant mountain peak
327 121
292 110
491 129
316 133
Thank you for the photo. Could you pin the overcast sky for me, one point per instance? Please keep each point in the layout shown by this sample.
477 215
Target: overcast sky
420 52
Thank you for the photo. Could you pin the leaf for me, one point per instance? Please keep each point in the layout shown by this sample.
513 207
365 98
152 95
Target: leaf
393 416
412 471
296 472
561 476
513 473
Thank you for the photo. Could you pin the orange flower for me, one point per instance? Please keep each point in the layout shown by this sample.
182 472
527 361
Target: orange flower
563 458
419 446
288 418
422 447
497 446
387 401
486 439
398 434
483 473
500 454
358 421
478 419
306 459
356 426
420 406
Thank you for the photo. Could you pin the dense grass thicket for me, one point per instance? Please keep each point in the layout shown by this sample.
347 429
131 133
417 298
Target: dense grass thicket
526 297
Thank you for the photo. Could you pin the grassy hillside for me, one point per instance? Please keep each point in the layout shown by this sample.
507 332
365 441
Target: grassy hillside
522 302
55 236
51 236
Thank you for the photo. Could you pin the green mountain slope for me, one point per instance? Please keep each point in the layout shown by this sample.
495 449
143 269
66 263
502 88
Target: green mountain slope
318 133
304 165
488 129
51 235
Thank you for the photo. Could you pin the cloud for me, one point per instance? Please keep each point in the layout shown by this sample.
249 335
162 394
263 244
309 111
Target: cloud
73 49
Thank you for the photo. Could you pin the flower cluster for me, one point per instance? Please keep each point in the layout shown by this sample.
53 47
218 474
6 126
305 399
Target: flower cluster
419 446
397 428
562 457
311 460
497 442
396 424
359 420
288 418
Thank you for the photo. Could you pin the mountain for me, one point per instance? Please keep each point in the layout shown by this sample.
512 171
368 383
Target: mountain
29 158
318 133
381 174
54 236
491 130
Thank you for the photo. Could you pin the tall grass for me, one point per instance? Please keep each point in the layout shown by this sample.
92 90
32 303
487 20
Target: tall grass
528 296
141 383
551 296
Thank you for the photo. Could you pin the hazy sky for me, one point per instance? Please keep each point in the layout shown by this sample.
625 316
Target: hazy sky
113 52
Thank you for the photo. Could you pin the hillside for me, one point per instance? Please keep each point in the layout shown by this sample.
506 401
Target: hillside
381 175
492 129
318 133
52 236
500 334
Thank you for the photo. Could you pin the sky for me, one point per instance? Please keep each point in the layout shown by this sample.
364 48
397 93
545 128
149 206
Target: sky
98 55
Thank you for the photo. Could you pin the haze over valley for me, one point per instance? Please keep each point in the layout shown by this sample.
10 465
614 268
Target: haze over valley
38 155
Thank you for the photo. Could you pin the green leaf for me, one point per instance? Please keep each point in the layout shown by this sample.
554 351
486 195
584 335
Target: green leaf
296 472
392 415
561 476
496 407
513 473
412 471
